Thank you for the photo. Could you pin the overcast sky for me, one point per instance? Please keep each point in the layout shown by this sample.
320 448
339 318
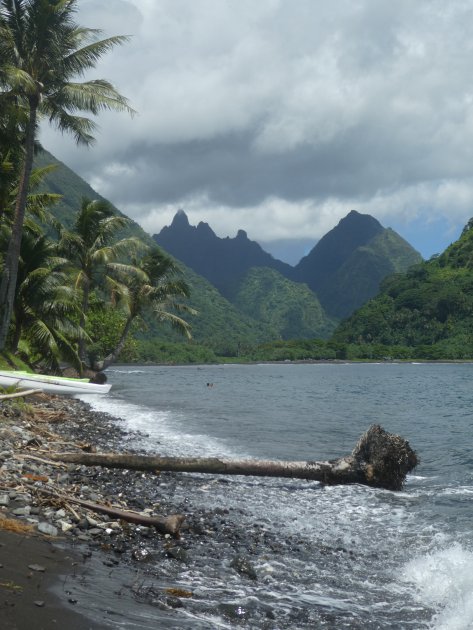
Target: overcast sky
280 116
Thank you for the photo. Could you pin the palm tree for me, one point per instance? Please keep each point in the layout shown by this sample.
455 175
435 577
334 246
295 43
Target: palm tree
42 53
153 292
94 255
46 308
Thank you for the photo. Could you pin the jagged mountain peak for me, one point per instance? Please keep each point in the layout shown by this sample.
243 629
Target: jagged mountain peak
223 261
180 219
344 268
347 265
204 228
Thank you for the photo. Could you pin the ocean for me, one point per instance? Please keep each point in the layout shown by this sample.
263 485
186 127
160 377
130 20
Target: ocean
360 557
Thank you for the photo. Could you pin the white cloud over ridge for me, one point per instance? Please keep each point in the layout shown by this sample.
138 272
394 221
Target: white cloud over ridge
279 117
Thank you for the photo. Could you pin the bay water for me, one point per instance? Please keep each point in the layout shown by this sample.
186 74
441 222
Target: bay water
364 558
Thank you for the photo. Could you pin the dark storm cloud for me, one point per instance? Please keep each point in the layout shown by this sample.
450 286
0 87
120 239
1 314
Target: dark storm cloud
279 117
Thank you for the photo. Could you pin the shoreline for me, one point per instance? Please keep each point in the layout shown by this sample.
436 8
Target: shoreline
74 568
98 572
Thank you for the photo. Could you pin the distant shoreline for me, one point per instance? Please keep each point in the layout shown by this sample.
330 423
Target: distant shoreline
303 362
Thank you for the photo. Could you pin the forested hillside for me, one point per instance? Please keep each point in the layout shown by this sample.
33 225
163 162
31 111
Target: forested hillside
430 308
289 308
219 325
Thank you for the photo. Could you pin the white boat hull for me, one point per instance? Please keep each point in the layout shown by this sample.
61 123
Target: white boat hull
51 384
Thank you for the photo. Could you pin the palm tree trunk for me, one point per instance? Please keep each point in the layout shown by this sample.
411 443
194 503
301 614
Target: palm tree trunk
379 459
16 334
10 268
113 356
85 307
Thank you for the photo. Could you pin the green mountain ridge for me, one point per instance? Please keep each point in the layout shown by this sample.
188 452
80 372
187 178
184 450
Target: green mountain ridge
224 326
264 305
359 278
345 268
429 308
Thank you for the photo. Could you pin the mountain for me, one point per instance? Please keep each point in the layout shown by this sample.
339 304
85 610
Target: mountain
243 294
344 269
223 261
429 308
346 266
257 284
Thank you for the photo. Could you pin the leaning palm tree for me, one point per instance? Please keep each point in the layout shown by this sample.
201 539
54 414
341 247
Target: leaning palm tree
95 255
43 52
155 292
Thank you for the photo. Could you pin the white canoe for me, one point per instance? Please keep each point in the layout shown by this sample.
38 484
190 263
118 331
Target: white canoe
51 384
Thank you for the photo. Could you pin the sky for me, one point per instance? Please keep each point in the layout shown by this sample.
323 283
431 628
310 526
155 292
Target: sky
278 117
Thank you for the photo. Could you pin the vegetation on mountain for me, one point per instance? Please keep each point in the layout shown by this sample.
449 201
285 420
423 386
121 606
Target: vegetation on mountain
343 270
223 261
42 51
425 313
291 309
347 265
359 278
219 325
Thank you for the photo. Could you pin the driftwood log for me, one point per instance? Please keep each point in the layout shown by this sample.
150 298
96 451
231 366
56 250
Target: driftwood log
379 459
164 524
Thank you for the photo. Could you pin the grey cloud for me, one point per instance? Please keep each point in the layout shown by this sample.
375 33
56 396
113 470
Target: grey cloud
348 103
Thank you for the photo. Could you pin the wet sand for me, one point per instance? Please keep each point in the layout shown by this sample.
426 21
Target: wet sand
30 567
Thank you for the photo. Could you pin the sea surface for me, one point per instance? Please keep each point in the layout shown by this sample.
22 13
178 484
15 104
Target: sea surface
366 558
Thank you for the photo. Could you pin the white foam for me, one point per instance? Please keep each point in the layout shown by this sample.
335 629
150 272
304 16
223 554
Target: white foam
161 428
443 580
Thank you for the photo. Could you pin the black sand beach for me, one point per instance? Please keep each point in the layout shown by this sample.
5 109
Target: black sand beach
76 574
80 569
30 567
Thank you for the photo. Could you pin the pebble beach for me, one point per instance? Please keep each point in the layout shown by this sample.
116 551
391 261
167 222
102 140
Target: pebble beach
61 563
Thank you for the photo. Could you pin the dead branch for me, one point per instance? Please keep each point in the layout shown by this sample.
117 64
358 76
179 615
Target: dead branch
26 392
164 524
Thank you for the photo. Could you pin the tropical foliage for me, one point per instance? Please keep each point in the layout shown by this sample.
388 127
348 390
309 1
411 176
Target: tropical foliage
153 290
48 286
95 257
42 53
46 306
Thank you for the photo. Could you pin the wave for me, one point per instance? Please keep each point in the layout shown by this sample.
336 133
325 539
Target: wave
159 429
443 580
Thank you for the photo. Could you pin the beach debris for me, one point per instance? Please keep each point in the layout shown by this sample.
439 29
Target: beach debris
164 524
379 459
178 592
14 525
20 394
11 586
